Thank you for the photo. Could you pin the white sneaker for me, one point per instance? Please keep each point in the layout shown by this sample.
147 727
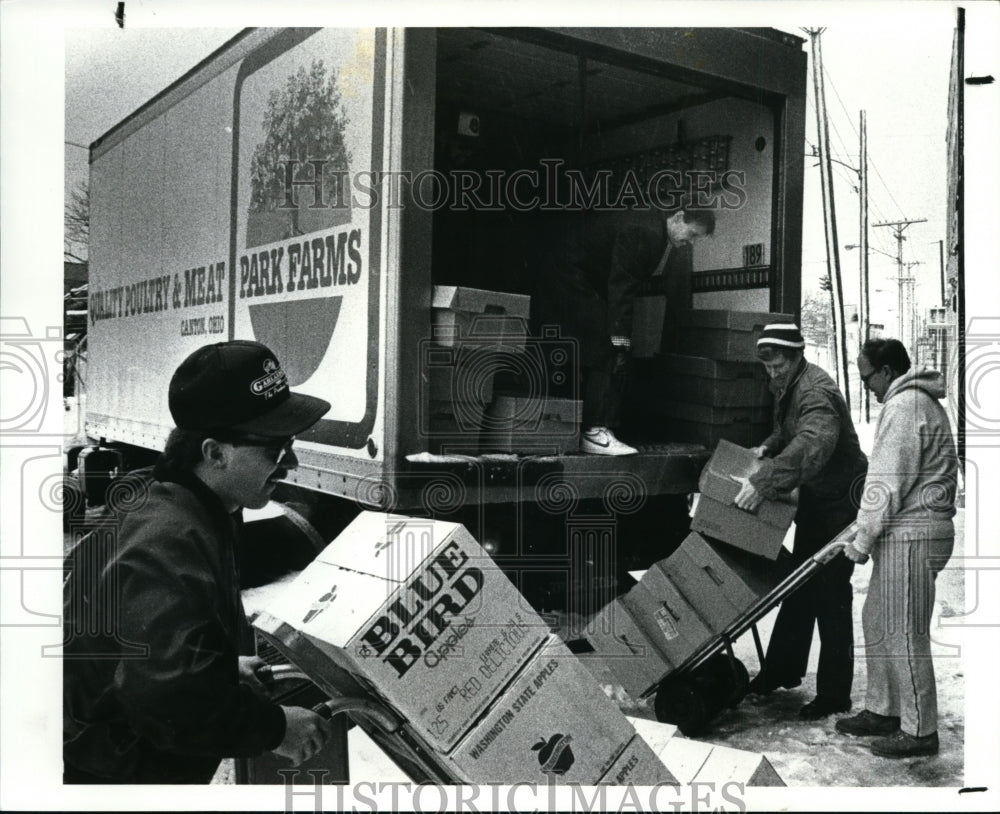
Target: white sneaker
601 441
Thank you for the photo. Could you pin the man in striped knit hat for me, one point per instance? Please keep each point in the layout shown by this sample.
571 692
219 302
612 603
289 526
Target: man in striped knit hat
814 448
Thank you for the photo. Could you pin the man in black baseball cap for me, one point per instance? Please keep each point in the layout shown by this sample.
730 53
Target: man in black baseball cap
160 679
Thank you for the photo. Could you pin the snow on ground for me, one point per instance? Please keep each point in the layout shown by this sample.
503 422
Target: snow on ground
808 753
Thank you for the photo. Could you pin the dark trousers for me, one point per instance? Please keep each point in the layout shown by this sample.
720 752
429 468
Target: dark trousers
825 601
602 398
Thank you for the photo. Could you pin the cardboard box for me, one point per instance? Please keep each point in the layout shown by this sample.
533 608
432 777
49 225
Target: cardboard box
552 724
477 316
417 611
726 765
623 647
705 588
694 761
455 425
699 380
638 765
728 335
761 532
714 414
710 425
738 577
738 528
711 435
667 618
671 410
466 374
530 424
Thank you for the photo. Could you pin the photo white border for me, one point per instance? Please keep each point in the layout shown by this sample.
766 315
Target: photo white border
31 218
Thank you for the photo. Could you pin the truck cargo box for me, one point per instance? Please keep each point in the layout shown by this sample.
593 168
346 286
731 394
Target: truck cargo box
315 244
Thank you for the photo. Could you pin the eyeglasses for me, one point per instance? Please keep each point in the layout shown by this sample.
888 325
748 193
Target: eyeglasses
275 449
865 377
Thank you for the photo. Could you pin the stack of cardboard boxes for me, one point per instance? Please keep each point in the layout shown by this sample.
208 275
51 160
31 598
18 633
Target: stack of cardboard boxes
731 559
478 335
713 387
414 613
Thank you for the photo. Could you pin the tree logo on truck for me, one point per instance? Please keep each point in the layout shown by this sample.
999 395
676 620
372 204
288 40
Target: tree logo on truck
303 127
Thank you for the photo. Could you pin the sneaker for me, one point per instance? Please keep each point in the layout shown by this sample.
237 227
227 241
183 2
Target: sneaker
820 707
867 722
759 687
601 441
903 744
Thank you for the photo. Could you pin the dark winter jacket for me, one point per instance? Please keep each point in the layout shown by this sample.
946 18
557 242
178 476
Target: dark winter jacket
814 445
154 628
593 269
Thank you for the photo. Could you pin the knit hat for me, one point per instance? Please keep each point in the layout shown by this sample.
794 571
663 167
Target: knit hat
239 386
781 335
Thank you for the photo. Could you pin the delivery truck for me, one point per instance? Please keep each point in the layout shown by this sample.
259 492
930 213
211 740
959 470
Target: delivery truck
371 204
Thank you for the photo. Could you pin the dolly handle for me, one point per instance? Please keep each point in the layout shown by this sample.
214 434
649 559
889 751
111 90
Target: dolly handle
377 713
836 545
269 673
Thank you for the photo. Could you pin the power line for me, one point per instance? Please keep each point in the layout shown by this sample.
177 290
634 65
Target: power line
842 105
884 184
871 162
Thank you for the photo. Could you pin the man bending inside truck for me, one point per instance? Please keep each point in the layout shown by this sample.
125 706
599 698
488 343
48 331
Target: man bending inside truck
159 677
587 285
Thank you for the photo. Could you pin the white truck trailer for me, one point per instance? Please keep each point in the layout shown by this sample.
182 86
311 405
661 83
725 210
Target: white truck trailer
364 201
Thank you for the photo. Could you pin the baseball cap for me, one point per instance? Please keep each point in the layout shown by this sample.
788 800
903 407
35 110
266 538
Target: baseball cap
239 386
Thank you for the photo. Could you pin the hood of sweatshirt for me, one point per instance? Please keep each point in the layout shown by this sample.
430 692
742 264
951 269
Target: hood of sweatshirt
919 378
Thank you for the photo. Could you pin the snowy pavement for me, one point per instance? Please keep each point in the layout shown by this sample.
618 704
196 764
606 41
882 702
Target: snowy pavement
812 753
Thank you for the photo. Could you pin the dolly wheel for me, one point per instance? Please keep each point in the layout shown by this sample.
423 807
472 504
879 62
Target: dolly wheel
682 702
741 683
728 679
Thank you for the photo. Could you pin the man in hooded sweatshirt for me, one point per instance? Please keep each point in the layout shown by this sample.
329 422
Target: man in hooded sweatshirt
905 524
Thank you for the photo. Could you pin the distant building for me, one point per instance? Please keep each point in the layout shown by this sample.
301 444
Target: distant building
954 311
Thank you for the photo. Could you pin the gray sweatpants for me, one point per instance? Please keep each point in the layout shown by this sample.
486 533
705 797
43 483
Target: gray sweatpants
896 620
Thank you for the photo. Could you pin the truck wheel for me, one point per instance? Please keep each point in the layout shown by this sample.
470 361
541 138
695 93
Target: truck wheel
682 702
74 503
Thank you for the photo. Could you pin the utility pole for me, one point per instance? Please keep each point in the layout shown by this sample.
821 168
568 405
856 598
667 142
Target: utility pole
898 227
911 309
863 323
829 215
944 302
